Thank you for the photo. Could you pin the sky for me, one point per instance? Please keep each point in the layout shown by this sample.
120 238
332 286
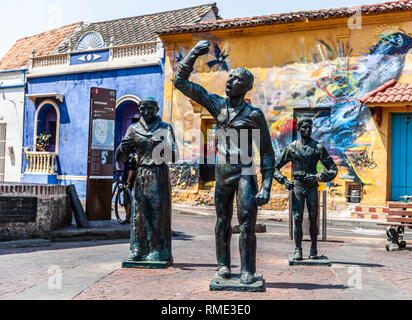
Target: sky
22 18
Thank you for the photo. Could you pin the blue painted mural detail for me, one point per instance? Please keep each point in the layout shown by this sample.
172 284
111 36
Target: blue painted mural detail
220 59
384 62
180 56
89 57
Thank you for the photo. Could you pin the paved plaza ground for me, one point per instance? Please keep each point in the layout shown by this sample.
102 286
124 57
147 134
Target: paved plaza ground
361 268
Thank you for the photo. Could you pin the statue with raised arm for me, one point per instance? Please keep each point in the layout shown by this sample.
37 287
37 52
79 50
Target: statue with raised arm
237 121
153 141
305 155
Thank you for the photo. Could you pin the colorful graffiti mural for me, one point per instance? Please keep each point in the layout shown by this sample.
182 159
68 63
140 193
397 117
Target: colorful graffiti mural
184 175
337 81
325 76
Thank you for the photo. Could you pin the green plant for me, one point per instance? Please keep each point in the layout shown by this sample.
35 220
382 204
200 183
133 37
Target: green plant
42 141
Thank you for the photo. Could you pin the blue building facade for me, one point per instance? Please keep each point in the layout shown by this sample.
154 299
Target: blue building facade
71 162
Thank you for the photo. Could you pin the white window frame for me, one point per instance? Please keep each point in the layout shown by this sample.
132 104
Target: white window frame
56 107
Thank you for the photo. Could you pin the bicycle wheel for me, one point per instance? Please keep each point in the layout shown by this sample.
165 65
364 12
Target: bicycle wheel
123 205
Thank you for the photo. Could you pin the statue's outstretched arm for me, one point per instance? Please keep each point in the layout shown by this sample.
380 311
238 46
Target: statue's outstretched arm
192 90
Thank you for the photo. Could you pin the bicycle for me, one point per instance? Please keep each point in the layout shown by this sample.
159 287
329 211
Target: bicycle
123 196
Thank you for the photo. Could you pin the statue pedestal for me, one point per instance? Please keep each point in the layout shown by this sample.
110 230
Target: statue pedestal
320 262
233 284
130 264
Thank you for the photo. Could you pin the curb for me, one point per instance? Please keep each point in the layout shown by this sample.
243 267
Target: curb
73 234
332 223
31 243
356 223
114 232
118 232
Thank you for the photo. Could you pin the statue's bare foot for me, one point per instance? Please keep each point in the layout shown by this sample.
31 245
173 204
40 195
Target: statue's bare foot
247 278
224 272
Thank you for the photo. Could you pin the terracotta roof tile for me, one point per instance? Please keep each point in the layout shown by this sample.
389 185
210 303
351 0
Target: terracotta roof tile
138 29
44 43
372 9
390 92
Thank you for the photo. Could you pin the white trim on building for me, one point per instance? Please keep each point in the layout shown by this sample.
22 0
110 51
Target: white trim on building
12 85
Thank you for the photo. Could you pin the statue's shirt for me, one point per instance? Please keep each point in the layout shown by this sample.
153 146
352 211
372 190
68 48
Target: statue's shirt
305 158
238 129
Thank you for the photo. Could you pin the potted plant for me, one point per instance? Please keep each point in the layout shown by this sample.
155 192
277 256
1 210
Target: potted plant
42 142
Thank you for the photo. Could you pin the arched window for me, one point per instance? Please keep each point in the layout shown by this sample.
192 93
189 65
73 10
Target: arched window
47 123
90 41
126 111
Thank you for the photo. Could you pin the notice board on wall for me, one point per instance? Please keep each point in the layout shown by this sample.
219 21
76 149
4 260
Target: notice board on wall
101 154
18 210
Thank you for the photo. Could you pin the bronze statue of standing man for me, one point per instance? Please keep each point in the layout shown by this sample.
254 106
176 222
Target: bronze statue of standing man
154 143
305 155
234 115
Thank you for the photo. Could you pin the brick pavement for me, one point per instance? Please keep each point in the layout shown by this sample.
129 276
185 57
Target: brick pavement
190 276
195 264
92 271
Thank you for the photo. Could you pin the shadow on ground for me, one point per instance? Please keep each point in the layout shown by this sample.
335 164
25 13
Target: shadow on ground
182 236
303 286
367 265
194 266
64 245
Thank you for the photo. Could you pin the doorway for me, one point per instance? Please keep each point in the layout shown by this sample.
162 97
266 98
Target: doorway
401 162
207 169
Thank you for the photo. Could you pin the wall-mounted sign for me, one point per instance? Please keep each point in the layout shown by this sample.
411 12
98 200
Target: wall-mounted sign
89 57
346 177
18 210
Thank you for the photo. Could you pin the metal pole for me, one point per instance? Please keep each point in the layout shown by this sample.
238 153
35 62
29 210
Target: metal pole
324 212
290 216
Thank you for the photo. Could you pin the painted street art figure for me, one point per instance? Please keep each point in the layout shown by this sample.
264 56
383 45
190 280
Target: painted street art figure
305 155
344 81
234 116
153 141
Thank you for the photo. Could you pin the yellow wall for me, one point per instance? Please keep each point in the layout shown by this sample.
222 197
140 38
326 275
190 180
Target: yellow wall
300 65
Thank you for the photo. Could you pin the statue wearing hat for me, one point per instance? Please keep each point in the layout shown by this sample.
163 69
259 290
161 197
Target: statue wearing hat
154 143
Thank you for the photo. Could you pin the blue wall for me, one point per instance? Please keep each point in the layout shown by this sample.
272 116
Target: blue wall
74 111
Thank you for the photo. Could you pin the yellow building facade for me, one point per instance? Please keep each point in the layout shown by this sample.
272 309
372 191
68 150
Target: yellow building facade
321 69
